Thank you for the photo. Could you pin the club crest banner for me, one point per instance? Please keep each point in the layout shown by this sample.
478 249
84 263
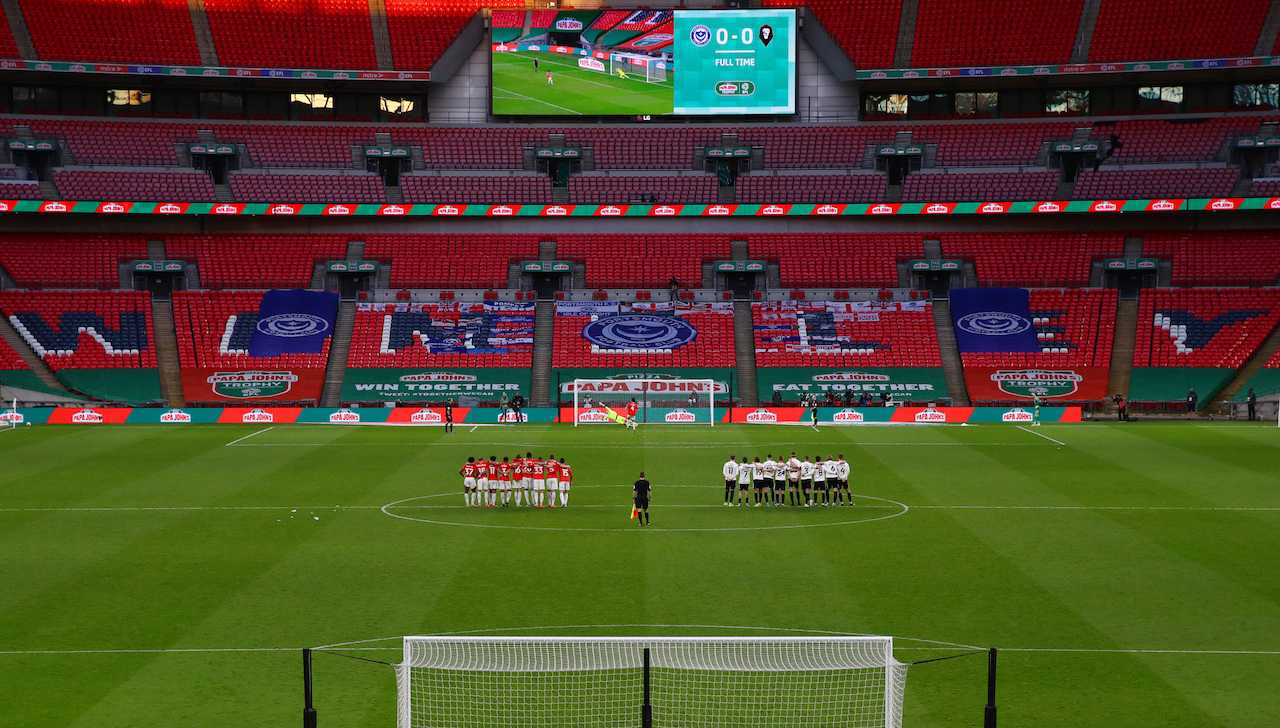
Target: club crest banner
293 322
993 320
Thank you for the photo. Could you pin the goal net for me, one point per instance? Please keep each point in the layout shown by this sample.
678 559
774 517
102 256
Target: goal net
652 70
640 682
657 401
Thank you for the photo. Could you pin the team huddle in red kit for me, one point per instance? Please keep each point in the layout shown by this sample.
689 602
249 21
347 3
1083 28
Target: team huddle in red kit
526 480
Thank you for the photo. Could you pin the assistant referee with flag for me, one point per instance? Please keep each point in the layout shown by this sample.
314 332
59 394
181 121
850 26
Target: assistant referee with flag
640 500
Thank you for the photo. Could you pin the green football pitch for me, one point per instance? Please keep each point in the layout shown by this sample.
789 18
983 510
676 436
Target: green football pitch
161 575
518 89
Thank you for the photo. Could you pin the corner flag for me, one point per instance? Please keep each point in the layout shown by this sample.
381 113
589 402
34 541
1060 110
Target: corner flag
634 512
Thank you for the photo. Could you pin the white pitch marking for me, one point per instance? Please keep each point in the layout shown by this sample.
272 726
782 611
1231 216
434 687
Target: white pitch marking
251 434
474 428
1038 434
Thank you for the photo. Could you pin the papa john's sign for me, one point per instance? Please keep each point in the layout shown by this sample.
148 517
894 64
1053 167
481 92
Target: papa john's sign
1011 384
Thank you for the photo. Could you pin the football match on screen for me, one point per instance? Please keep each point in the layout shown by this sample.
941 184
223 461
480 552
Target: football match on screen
588 364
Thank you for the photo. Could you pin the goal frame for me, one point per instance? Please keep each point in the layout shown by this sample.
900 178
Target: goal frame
642 396
650 65
404 688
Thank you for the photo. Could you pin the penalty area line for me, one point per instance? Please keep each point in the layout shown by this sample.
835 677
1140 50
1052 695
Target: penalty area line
1037 434
251 434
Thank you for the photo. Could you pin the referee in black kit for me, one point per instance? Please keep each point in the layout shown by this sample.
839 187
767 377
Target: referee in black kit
640 499
448 415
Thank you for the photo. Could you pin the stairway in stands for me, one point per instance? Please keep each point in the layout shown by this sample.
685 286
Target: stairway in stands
339 346
952 366
1245 373
166 343
1126 333
33 362
744 344
543 339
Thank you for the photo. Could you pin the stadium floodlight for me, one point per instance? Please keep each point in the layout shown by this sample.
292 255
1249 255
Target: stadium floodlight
659 401
636 65
659 682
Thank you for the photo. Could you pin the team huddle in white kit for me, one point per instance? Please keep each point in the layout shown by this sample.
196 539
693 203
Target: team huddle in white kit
802 481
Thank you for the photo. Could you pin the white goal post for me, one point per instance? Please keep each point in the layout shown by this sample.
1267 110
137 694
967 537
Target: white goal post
654 69
649 682
659 401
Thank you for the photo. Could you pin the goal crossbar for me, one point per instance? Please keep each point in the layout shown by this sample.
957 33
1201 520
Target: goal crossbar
673 681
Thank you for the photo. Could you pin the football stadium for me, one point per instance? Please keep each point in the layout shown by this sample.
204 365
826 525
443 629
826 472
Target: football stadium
709 364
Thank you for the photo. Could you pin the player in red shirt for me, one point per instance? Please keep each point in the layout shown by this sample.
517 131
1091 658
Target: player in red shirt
565 479
504 481
539 469
468 473
630 413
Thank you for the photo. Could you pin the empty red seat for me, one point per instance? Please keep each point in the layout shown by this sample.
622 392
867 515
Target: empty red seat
84 329
830 334
214 327
1074 327
1203 327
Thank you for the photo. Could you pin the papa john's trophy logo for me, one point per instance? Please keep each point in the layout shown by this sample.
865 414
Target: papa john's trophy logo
639 331
1028 383
993 323
293 325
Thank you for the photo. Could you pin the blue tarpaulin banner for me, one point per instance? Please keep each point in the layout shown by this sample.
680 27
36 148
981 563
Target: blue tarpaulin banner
293 322
993 320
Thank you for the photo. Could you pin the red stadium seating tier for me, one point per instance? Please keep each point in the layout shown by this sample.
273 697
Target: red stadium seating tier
541 18
712 347
986 144
1203 327
1265 188
977 32
812 188
8 47
125 341
703 188
421 30
96 141
292 33
1029 185
895 338
1032 259
1130 30
1113 184
450 261
1274 361
642 261
609 18
371 326
473 189
10 360
837 261
255 261
78 261
351 187
1075 327
1210 258
866 29
125 31
134 185
20 190
507 19
1155 140
201 320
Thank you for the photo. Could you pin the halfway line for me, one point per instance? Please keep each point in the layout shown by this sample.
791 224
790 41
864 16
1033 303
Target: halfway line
251 434
1037 434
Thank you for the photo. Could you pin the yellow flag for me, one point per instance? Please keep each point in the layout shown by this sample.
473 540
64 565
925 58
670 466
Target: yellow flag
634 512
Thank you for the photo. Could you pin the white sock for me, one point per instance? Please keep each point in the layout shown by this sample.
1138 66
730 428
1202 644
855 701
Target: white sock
564 497
517 499
466 498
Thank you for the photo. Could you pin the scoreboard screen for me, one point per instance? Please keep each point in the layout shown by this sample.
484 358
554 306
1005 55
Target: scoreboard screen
735 62
645 62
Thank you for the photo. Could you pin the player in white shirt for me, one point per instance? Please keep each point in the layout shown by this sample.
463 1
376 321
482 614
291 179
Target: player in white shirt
757 475
842 472
770 470
819 481
553 478
832 471
793 479
806 482
745 474
730 470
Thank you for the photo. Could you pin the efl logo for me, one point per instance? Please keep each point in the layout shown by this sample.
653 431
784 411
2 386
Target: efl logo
87 417
176 416
680 415
426 417
849 416
344 417
762 417
931 416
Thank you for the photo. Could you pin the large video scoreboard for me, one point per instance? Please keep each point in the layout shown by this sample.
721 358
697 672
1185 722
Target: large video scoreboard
649 62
